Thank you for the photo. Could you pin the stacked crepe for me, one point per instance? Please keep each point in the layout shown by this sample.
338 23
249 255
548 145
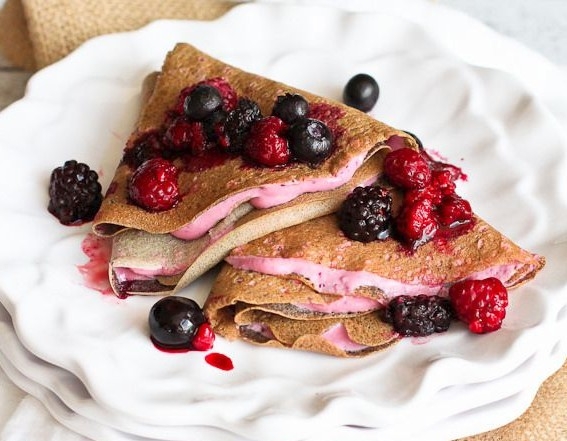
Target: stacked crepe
231 203
309 287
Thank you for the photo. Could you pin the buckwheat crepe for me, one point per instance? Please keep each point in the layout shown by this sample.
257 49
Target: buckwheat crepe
216 197
310 287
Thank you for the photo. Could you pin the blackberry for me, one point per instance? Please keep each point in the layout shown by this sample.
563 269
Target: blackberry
418 316
366 213
147 146
238 123
75 194
290 107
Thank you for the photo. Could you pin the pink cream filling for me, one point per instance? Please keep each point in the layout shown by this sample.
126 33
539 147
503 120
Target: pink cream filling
343 282
337 335
270 195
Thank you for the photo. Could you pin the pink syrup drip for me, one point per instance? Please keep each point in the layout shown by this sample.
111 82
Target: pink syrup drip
95 271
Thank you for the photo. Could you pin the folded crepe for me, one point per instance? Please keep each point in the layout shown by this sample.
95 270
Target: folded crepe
310 287
225 201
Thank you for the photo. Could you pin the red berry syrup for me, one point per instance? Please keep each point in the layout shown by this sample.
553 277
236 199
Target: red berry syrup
95 271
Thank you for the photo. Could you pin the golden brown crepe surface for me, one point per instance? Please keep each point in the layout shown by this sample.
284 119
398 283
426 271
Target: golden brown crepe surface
355 134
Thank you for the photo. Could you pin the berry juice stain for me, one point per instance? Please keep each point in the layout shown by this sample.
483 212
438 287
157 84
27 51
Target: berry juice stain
220 361
95 271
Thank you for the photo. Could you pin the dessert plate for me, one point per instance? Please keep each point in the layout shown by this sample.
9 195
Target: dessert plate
484 120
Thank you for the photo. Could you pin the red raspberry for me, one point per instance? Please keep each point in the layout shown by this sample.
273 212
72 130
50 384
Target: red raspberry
407 169
266 143
444 181
416 222
454 209
153 185
204 338
480 303
229 96
186 135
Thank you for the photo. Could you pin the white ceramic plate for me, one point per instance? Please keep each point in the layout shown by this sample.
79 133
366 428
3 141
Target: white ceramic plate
484 120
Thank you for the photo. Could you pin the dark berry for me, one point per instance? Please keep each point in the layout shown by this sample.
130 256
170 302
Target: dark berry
361 92
407 169
417 223
202 101
238 123
186 135
365 214
310 141
418 316
174 321
228 94
75 194
266 143
290 107
147 146
153 186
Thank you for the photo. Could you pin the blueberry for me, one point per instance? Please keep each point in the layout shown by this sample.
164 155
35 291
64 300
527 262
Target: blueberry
201 102
310 141
174 322
361 92
290 107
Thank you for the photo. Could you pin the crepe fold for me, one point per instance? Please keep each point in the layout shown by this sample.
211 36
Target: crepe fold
220 196
311 283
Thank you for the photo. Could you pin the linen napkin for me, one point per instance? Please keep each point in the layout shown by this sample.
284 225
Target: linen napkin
36 33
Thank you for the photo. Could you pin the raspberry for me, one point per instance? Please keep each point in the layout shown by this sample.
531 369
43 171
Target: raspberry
186 135
266 143
238 123
480 303
366 213
153 186
75 194
204 338
418 316
407 169
454 210
416 223
443 180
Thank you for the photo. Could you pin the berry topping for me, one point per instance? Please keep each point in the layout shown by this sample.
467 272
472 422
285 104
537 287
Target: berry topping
366 213
75 194
310 141
228 94
480 303
407 169
147 146
202 101
239 121
290 107
174 322
204 338
454 210
416 223
186 135
153 186
361 92
418 316
266 143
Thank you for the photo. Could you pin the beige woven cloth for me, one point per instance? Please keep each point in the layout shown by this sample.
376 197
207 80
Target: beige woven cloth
36 33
